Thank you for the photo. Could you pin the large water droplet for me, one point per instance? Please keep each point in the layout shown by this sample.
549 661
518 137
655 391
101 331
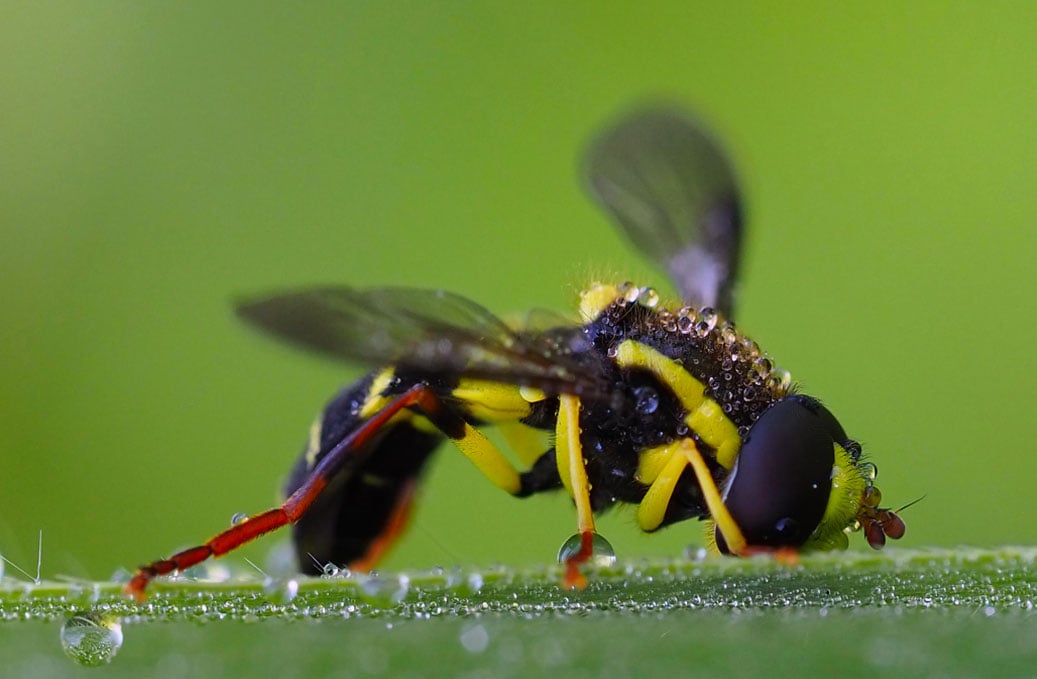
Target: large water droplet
91 639
602 553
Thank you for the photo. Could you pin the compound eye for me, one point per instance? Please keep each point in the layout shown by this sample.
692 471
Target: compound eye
782 477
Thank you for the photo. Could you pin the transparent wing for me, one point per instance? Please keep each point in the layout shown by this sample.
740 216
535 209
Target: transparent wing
433 332
672 190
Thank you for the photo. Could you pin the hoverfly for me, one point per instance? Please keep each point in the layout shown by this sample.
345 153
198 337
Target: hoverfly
670 409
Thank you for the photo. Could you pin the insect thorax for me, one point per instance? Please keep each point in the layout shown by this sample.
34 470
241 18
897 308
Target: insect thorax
732 369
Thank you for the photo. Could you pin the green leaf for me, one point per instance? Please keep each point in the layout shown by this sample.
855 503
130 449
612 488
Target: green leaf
927 612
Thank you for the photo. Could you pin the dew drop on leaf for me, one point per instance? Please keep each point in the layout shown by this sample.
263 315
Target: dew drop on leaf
91 639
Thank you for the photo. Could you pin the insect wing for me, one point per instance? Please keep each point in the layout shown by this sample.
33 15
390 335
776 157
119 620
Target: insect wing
432 332
674 193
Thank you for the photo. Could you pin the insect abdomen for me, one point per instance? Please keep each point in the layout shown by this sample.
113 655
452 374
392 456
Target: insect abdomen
365 505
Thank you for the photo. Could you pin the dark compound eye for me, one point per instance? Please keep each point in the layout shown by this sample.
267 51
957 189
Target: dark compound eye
783 475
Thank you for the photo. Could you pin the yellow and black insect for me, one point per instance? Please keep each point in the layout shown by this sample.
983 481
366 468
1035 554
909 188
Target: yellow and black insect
673 410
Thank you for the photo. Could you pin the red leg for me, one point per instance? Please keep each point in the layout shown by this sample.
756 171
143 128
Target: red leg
295 506
573 578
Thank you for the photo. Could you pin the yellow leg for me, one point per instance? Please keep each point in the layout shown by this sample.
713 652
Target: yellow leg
569 457
726 523
528 443
488 460
652 510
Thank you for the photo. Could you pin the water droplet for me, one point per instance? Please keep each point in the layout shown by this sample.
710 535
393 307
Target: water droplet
474 582
281 592
872 496
602 553
780 379
475 639
239 517
868 470
647 400
649 297
707 321
384 590
729 335
329 570
91 639
686 320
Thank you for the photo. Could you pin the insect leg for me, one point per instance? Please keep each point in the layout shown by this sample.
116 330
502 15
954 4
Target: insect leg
726 523
652 509
421 397
571 469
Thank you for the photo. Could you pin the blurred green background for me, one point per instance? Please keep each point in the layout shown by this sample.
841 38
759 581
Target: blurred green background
158 159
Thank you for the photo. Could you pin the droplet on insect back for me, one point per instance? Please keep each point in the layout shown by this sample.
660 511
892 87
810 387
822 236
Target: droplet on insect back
240 517
602 554
91 639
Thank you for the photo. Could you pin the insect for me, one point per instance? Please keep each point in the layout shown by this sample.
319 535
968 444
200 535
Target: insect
673 410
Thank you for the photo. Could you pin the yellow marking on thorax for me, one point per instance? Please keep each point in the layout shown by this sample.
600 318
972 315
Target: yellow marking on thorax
703 415
596 299
492 401
375 400
313 442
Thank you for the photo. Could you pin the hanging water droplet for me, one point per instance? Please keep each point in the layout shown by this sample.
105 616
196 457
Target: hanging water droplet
602 553
91 639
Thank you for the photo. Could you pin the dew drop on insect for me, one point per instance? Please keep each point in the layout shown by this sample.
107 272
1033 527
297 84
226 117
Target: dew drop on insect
707 321
868 470
872 496
602 553
686 320
239 517
649 298
329 570
729 335
91 639
647 400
